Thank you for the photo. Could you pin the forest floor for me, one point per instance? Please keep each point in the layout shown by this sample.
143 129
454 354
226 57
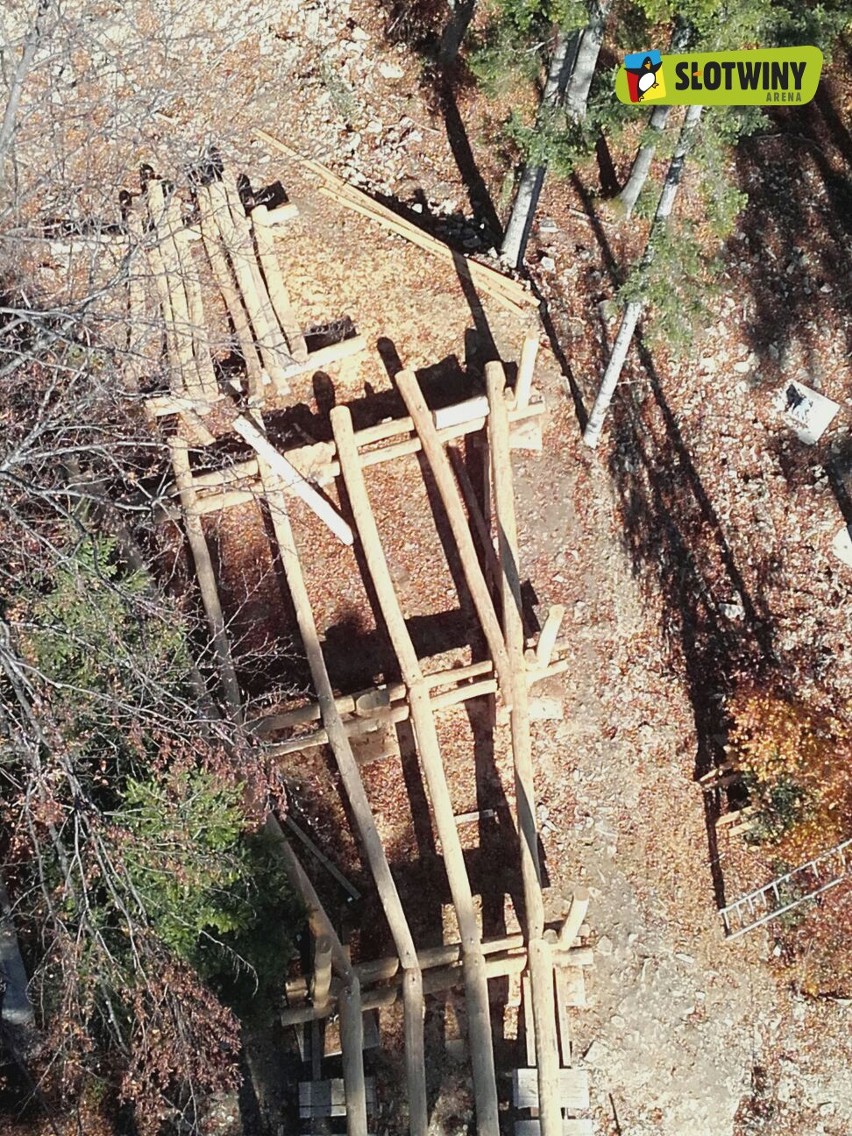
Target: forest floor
692 546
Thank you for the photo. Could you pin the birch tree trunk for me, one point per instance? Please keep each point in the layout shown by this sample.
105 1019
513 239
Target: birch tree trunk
572 69
645 154
532 177
588 50
633 310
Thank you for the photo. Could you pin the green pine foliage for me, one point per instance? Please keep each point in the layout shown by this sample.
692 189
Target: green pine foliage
676 285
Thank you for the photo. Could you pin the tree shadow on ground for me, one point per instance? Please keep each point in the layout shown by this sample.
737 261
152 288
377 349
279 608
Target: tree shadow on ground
715 628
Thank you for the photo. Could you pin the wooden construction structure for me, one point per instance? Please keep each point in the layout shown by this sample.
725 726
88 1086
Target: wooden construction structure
548 961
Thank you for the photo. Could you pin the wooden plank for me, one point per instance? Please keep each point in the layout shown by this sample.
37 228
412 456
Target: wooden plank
526 367
476 983
529 1022
292 478
548 636
279 215
572 1090
206 577
278 294
223 273
328 1098
448 491
236 234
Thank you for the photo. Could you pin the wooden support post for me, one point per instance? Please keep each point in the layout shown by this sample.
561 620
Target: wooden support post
526 367
439 464
213 246
479 1016
322 971
206 577
574 919
541 967
415 1050
352 1048
291 477
278 295
547 638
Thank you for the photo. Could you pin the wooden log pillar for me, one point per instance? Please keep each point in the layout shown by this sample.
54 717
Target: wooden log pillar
570 929
236 236
214 247
206 577
352 1047
321 985
526 368
448 490
541 966
476 983
278 294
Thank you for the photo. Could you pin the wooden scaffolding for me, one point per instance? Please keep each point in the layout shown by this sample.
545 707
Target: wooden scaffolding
548 961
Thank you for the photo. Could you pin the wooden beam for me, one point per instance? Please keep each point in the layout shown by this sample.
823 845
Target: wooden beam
540 963
549 633
291 477
165 217
206 577
435 981
570 929
321 985
318 854
319 922
448 491
401 712
479 1017
236 235
223 273
352 1048
278 294
526 368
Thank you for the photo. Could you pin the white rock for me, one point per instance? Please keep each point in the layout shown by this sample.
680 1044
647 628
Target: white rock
391 71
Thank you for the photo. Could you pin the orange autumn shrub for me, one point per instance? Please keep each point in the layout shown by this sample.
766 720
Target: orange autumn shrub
796 761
